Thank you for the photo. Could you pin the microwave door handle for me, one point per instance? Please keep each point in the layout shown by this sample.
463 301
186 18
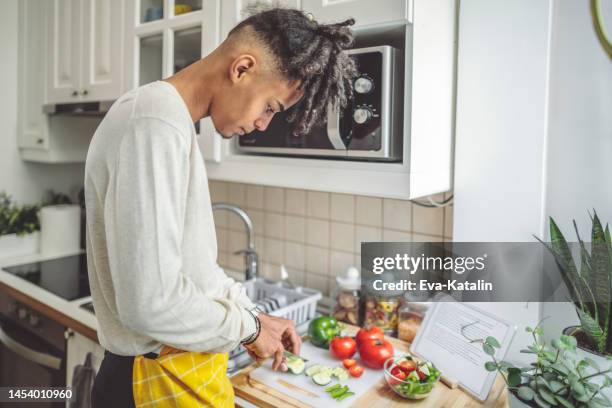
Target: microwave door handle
37 357
333 130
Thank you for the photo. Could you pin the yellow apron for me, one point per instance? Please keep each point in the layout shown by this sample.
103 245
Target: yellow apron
179 378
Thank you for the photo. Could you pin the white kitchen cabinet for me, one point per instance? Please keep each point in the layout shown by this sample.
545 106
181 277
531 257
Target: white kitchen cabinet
85 50
63 50
425 31
365 12
231 12
102 51
32 123
40 137
77 347
160 42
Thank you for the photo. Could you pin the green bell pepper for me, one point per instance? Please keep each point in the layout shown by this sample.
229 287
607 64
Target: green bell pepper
322 330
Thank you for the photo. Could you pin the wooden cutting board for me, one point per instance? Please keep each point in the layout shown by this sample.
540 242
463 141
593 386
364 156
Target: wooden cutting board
377 394
302 388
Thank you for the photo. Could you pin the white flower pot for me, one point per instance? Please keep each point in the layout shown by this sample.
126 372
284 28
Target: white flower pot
14 245
515 402
601 361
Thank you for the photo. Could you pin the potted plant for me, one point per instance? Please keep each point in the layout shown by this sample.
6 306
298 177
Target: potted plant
590 286
556 378
19 228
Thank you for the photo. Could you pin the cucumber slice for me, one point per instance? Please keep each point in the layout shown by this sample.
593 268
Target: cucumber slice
343 376
413 376
295 365
315 369
321 379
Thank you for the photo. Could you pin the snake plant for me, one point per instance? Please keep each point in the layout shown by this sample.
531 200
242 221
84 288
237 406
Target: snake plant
590 286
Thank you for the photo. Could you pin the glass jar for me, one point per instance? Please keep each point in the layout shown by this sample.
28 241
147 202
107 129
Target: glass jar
411 314
381 308
347 297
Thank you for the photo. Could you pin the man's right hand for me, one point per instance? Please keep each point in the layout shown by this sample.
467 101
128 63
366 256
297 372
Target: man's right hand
276 336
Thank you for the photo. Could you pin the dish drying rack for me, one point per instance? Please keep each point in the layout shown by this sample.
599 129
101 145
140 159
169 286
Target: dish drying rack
297 303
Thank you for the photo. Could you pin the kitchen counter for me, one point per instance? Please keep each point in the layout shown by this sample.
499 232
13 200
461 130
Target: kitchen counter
73 316
68 313
378 397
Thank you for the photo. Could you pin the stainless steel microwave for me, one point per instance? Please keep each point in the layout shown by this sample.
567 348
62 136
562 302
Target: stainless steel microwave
369 128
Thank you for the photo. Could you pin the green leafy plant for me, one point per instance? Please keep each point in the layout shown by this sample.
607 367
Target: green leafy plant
556 378
15 219
590 287
54 198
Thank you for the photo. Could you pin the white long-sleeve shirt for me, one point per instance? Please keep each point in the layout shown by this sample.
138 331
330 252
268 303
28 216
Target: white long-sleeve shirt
151 242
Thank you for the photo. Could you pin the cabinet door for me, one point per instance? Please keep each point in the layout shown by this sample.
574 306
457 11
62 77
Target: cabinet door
365 12
32 122
64 39
231 12
77 348
102 51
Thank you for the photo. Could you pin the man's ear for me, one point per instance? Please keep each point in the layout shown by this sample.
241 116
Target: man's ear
240 66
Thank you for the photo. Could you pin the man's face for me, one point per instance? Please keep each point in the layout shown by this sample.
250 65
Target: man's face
250 99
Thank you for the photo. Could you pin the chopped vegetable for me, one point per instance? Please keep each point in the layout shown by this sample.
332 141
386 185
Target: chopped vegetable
345 395
321 379
339 393
333 387
295 364
340 373
348 363
356 371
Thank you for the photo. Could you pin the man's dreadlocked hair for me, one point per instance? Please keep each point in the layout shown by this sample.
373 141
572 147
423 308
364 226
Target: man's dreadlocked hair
309 52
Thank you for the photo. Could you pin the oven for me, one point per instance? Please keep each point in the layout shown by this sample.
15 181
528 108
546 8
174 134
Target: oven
32 349
32 343
369 128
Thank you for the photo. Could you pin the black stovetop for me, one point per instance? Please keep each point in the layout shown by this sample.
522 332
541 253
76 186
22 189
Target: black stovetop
66 277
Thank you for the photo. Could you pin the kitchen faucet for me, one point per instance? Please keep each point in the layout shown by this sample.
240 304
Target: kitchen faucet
250 256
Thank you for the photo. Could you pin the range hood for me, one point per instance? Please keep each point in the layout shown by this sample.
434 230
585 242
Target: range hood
78 108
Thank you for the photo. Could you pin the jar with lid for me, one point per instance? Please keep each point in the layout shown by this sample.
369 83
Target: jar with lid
347 297
381 306
411 314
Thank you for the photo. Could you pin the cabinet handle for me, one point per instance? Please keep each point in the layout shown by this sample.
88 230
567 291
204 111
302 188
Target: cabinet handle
39 141
75 93
84 92
68 334
43 359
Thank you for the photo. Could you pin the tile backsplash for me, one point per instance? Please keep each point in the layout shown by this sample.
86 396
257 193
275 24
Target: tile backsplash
316 235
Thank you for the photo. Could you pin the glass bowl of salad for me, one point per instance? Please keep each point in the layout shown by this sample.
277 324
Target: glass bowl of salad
409 377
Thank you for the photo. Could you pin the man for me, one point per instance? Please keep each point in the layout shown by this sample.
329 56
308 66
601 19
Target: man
151 242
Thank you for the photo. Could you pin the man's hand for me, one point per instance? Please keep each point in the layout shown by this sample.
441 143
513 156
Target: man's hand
276 336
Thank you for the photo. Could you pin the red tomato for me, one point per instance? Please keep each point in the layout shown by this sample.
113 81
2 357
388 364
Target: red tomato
373 333
422 376
343 347
398 375
406 370
348 363
407 366
356 371
374 352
